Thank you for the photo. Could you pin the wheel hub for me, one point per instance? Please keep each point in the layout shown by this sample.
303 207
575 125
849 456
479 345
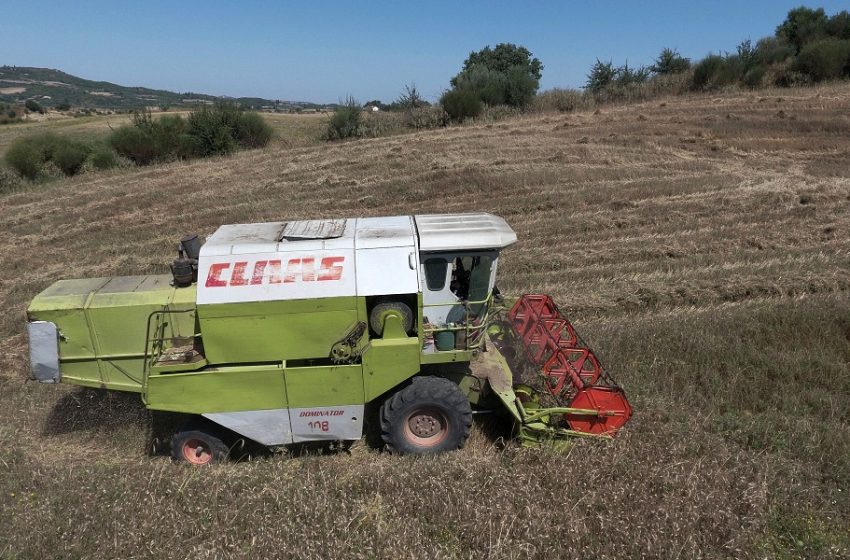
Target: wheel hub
197 452
425 424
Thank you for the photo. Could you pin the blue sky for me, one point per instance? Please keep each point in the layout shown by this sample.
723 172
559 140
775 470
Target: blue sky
323 51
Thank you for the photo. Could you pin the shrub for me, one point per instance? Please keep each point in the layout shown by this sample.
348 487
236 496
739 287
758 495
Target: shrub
345 122
252 131
826 59
754 77
602 74
64 106
69 156
669 61
30 155
134 144
561 100
706 70
425 117
461 104
773 50
34 106
213 129
103 157
25 157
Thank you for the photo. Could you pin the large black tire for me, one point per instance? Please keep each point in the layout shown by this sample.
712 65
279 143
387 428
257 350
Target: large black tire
380 311
198 446
431 415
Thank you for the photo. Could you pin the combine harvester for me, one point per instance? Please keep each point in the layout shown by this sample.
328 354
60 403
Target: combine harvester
289 332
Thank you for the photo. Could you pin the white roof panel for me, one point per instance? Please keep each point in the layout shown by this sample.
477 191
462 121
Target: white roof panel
389 231
437 232
463 232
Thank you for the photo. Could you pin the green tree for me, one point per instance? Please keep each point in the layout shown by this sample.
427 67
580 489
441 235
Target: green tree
839 25
802 25
826 59
505 74
503 57
669 61
602 75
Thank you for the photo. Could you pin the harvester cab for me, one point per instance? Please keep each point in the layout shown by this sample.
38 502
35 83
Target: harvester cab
290 332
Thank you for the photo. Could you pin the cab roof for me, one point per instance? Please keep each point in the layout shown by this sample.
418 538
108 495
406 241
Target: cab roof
463 232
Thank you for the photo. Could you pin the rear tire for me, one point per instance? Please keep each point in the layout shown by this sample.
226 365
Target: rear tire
431 415
198 447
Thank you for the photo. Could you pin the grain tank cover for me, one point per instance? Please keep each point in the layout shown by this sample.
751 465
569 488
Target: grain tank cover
463 232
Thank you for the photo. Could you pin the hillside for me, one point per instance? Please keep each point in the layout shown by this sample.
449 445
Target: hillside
700 244
53 87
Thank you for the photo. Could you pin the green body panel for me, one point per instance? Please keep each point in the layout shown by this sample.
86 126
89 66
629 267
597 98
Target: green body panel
324 385
224 389
390 360
277 330
102 324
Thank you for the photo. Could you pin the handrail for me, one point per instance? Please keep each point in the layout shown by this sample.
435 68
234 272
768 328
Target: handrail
151 357
473 331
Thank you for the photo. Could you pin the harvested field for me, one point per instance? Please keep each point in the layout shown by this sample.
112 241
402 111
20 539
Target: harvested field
699 244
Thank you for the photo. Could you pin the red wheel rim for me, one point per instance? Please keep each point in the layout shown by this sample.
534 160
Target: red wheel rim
426 427
197 452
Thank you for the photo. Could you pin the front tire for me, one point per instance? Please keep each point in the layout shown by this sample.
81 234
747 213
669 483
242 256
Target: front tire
198 447
431 415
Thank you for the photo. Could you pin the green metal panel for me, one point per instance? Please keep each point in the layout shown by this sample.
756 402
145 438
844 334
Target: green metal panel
324 385
102 323
224 389
390 360
276 330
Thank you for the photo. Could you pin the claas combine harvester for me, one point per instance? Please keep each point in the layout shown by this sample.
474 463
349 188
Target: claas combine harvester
288 332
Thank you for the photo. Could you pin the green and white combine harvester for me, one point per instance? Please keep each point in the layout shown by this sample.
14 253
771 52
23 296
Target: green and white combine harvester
288 332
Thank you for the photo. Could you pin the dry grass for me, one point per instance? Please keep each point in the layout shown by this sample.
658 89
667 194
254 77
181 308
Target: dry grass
700 244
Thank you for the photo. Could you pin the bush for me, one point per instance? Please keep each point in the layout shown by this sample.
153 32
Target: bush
425 117
561 100
213 129
669 61
64 106
252 131
602 75
773 50
345 121
30 155
461 104
33 106
134 144
706 70
754 77
25 157
70 156
103 157
826 59
209 130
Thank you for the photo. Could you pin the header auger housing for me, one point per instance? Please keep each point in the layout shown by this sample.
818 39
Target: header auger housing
289 332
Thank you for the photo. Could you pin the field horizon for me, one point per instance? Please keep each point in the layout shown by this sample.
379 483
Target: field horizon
698 243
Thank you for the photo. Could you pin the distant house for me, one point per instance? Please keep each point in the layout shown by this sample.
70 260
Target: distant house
372 108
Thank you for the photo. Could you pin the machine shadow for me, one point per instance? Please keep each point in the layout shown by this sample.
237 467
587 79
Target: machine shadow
86 409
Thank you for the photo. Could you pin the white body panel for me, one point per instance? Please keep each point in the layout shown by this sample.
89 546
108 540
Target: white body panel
327 423
282 426
276 276
387 271
309 260
268 427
